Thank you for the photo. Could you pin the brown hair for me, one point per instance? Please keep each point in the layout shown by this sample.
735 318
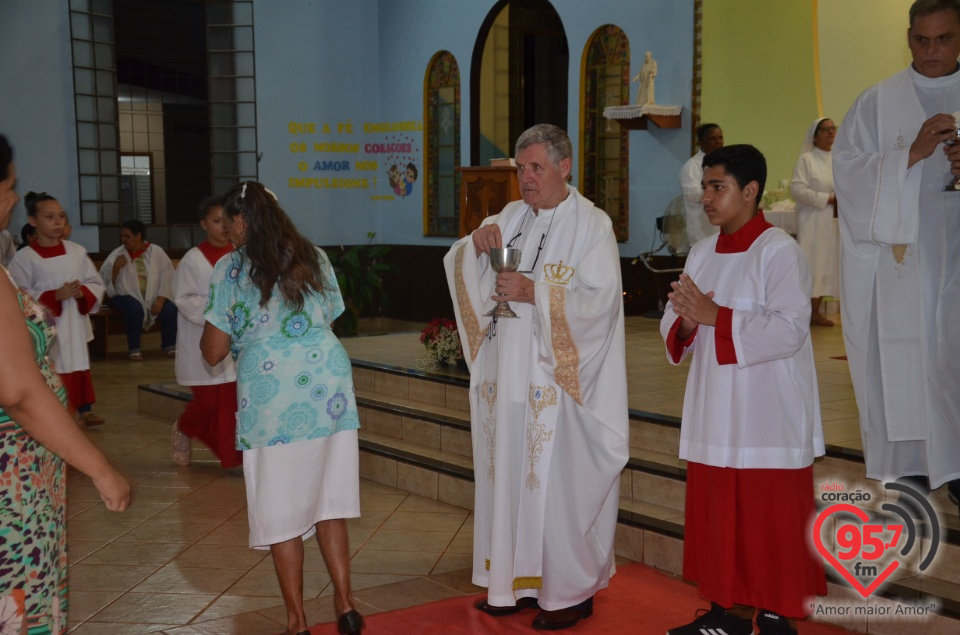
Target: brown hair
32 198
279 255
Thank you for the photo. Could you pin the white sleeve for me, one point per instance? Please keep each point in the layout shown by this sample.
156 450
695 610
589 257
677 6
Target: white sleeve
190 294
779 328
800 189
877 196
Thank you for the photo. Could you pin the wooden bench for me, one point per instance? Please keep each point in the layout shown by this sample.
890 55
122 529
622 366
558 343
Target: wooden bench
105 322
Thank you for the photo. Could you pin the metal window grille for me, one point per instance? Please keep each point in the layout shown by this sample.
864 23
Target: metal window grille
232 93
95 98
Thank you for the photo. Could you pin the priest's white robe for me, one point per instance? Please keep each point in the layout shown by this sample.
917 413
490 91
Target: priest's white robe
37 275
763 412
818 232
159 279
900 279
698 225
191 291
548 403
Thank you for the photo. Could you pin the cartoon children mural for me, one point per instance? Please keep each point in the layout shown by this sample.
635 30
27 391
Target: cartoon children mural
396 181
409 179
402 182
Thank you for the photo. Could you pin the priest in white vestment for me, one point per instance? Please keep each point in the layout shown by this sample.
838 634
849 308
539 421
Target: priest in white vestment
900 266
710 138
548 391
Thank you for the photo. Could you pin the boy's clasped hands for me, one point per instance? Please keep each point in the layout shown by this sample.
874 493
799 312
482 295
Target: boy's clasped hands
692 305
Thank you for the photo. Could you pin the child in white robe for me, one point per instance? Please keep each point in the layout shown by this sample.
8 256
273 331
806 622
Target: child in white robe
58 274
210 416
751 413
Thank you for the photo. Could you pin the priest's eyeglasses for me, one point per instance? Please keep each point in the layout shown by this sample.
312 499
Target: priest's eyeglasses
543 239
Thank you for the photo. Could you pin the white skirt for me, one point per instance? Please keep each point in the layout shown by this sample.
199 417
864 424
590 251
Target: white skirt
290 488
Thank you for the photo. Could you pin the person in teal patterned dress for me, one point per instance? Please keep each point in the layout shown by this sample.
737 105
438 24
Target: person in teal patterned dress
37 436
272 303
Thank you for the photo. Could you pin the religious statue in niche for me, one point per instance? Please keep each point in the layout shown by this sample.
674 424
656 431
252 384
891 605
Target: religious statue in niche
647 72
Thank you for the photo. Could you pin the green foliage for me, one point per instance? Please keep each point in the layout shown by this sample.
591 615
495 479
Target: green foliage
360 270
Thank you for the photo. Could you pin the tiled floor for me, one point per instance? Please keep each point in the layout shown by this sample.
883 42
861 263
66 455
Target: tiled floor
177 561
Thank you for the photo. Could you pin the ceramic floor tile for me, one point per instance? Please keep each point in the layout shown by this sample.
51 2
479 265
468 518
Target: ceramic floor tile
175 578
410 540
84 604
106 577
159 608
219 556
396 562
430 521
231 605
404 594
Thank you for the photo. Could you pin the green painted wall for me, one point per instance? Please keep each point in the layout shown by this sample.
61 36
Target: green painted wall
758 76
759 66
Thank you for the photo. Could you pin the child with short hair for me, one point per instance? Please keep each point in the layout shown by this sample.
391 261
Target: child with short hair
751 413
59 275
211 415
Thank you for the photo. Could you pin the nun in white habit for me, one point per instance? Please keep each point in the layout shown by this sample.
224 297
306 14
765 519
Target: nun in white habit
818 231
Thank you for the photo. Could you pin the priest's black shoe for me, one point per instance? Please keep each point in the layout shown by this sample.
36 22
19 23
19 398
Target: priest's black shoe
500 611
563 618
953 491
350 623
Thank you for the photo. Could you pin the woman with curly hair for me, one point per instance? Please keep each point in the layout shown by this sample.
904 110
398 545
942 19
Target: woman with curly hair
272 304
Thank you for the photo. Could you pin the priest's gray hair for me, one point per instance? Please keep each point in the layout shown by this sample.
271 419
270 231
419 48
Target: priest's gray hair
556 139
923 8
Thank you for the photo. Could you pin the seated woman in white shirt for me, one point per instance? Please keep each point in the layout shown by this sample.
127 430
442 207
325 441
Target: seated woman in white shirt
138 277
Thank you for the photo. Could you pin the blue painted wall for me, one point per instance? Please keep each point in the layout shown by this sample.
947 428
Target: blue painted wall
36 106
364 61
408 34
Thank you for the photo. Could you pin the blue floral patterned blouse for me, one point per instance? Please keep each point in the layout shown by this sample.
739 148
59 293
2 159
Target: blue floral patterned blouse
294 379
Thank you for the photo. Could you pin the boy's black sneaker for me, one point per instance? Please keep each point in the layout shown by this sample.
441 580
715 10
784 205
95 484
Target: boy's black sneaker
770 623
716 621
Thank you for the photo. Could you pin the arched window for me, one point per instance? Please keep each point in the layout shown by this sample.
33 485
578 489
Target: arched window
441 204
605 161
518 76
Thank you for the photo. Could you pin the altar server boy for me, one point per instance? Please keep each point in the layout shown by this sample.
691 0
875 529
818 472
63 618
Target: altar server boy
751 413
210 416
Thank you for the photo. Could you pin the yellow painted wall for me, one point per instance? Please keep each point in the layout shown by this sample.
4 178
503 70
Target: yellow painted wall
760 66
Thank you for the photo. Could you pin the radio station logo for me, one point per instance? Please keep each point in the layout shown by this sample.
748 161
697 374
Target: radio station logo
868 546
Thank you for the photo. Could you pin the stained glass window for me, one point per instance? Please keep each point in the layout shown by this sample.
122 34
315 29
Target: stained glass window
442 194
606 164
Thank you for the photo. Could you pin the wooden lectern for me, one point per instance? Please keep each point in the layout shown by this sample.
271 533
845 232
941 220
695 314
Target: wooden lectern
485 191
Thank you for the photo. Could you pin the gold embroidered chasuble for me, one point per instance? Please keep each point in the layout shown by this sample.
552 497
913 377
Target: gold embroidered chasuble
548 405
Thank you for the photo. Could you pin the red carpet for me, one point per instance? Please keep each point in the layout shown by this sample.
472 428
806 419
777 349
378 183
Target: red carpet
640 601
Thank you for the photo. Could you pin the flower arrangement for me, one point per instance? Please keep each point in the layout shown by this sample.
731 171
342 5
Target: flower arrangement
442 341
